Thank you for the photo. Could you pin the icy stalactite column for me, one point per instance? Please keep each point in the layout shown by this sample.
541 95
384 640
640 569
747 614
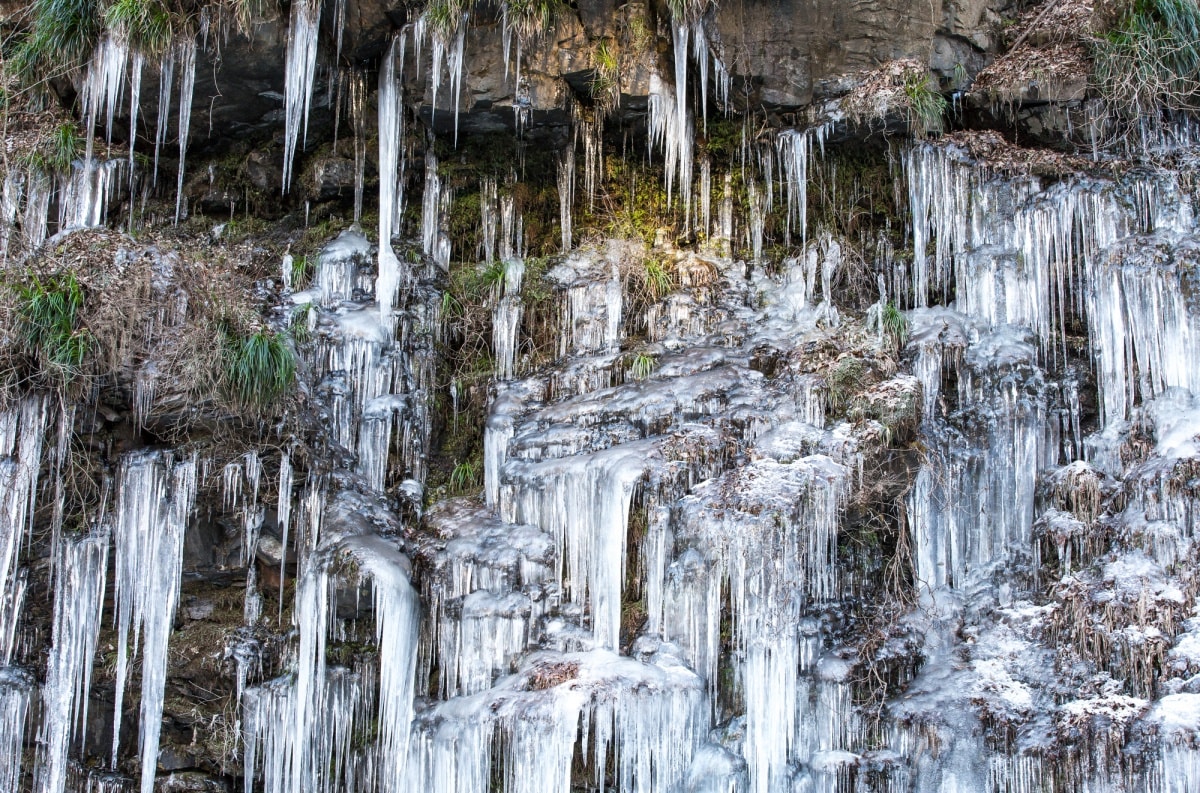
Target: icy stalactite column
154 503
758 217
375 438
488 218
768 532
796 152
166 78
22 436
299 732
583 502
16 691
566 195
78 602
592 132
431 205
300 68
186 60
451 756
85 194
397 615
512 229
391 193
506 319
136 67
497 432
939 197
1144 336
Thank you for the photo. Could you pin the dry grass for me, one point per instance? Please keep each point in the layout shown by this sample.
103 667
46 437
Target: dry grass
901 86
991 150
1047 49
549 674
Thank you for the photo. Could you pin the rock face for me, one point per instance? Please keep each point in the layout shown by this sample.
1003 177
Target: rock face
782 55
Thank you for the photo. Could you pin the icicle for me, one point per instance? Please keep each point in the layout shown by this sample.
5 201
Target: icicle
135 103
431 204
358 112
671 130
154 504
283 512
16 691
488 218
566 194
166 78
78 601
102 86
187 82
391 194
795 153
299 71
22 432
448 53
700 53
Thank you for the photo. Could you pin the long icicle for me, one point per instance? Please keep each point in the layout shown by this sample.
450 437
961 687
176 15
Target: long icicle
187 82
300 68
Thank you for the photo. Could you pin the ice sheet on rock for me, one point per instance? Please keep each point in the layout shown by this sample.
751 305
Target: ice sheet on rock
647 717
715 769
1176 715
793 440
591 305
650 404
339 271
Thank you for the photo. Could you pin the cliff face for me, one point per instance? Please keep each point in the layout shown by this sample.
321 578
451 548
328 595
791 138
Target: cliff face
781 56
677 398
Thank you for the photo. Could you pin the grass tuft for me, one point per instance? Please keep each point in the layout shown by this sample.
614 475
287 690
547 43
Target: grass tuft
895 325
1150 56
258 368
145 24
49 312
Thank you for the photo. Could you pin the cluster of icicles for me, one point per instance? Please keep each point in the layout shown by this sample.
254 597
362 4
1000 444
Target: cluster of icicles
516 633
